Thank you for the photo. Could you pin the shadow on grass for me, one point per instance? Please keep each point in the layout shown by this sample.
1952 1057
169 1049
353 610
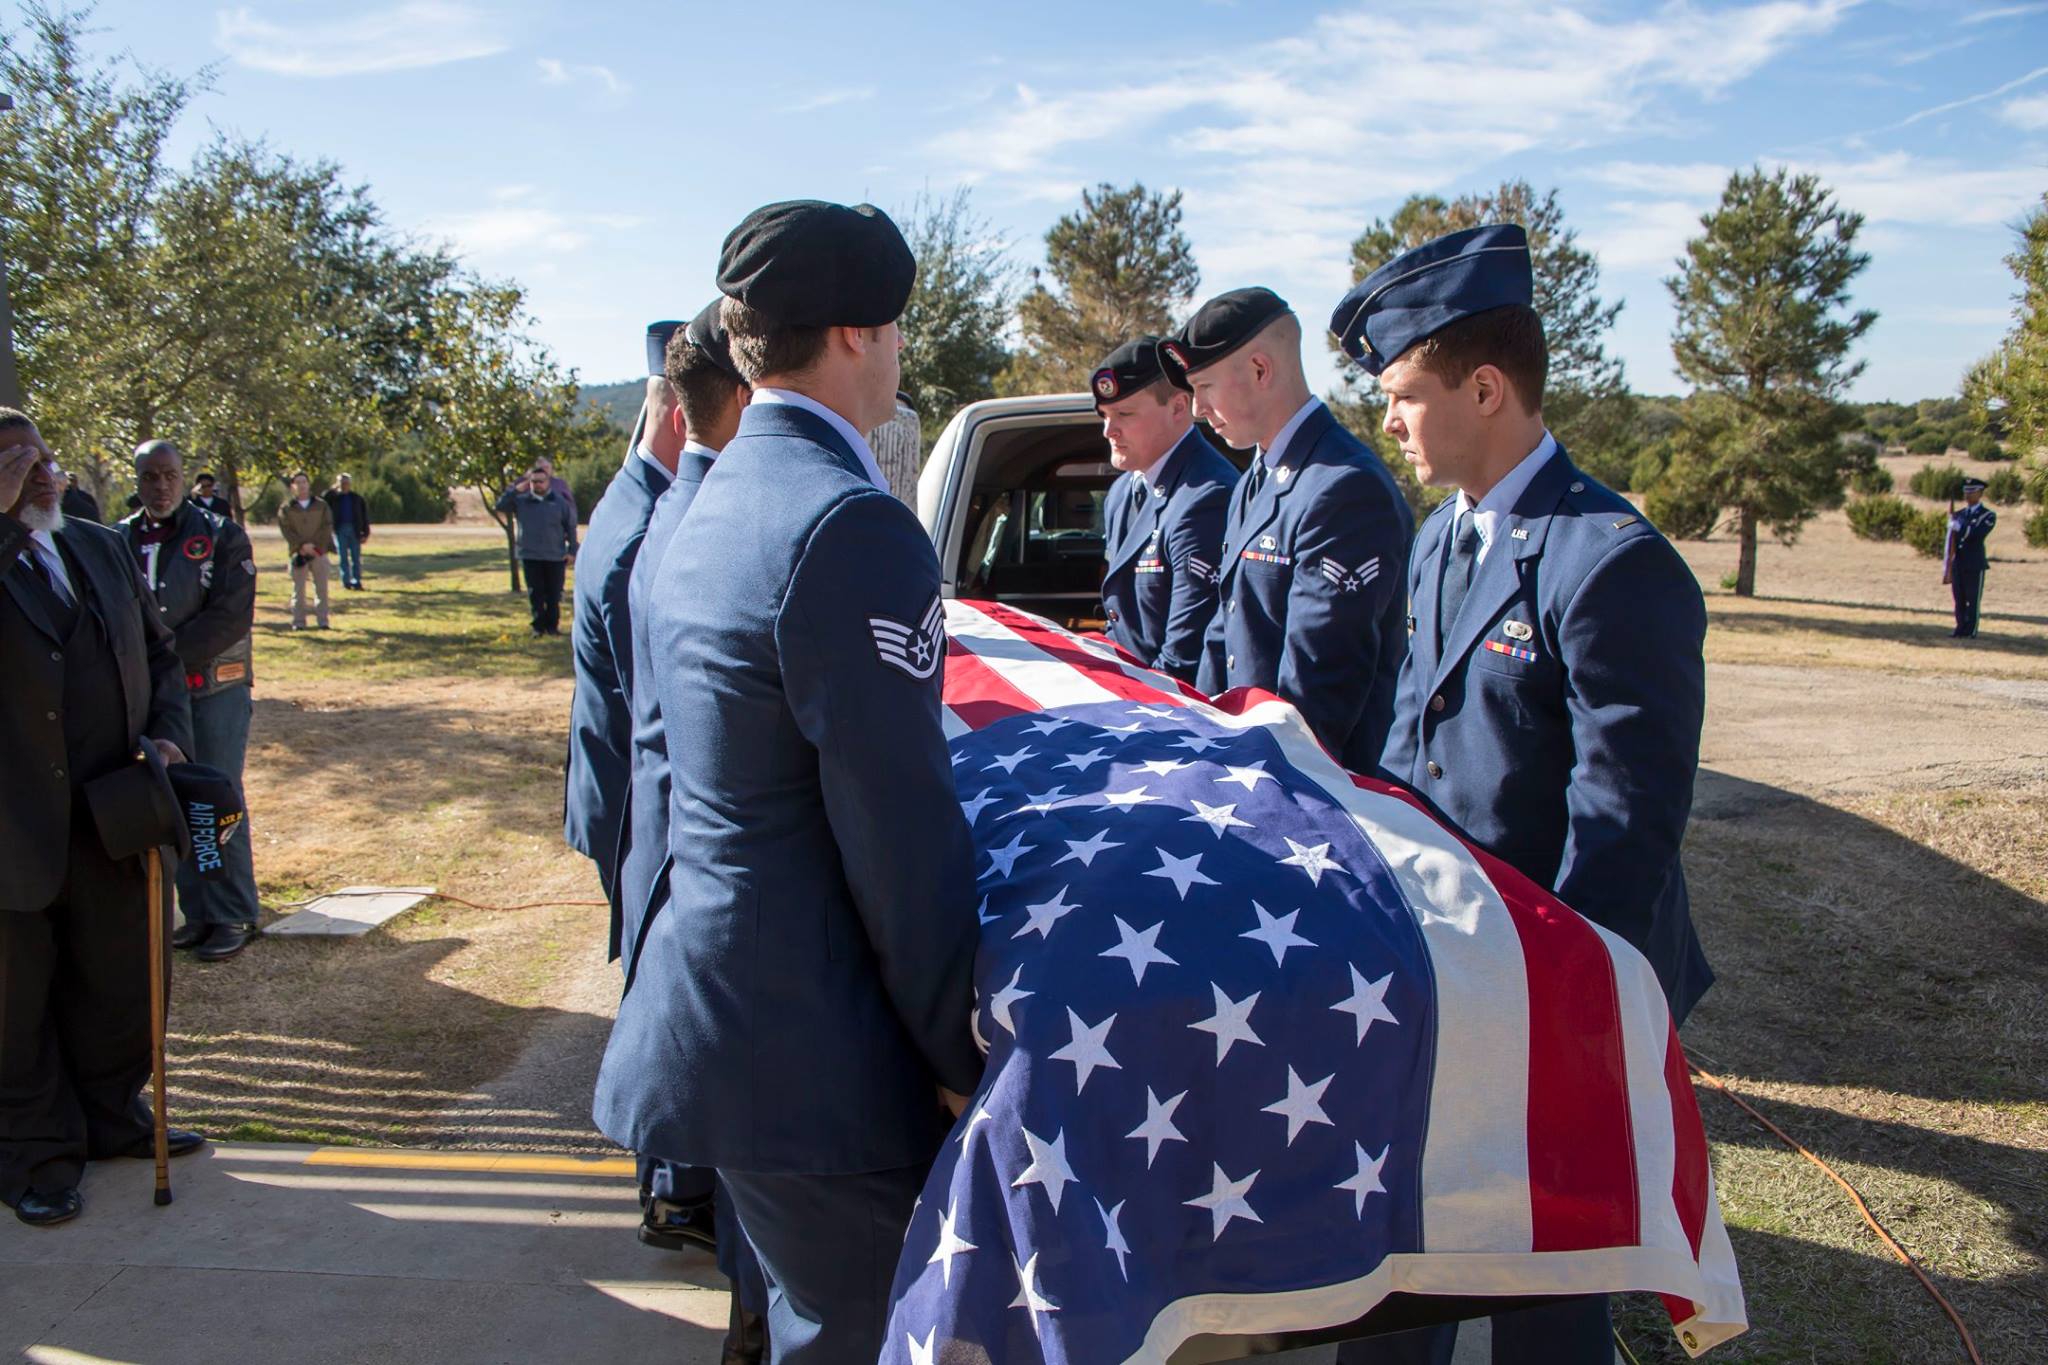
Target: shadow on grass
495 643
1936 632
414 566
1943 613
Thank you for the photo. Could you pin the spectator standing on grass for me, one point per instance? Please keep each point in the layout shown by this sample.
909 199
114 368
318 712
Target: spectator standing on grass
547 542
308 527
351 529
203 571
78 504
203 495
1963 558
560 488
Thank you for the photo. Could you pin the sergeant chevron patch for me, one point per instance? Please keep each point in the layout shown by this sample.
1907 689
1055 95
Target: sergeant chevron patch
915 650
1351 580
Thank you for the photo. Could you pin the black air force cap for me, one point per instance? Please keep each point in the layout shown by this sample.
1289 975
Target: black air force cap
1130 367
1219 327
658 334
707 333
806 263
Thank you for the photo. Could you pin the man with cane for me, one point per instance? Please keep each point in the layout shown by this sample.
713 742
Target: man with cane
92 678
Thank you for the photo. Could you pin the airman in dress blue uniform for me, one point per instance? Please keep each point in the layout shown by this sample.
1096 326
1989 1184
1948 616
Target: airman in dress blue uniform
1551 702
1317 537
795 1007
1164 516
1963 556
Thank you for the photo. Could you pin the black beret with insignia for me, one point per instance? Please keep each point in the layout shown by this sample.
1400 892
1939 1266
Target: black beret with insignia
1219 327
707 333
658 334
1421 292
806 263
1130 367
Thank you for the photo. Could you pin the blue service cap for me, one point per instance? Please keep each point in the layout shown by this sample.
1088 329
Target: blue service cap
1421 292
658 334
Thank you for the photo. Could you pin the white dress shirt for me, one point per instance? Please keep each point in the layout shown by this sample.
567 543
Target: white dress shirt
1501 498
858 442
644 453
692 446
45 550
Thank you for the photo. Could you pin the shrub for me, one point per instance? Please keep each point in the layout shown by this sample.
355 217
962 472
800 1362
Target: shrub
1984 446
2037 529
1648 467
1927 532
1882 517
1938 482
2005 487
587 479
1872 481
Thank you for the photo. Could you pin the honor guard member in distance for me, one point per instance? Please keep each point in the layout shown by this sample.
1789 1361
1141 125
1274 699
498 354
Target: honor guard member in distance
801 998
1550 705
1963 557
1317 536
1165 515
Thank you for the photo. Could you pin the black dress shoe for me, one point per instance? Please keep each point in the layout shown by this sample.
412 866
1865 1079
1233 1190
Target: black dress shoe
679 1227
48 1210
224 942
189 935
181 1141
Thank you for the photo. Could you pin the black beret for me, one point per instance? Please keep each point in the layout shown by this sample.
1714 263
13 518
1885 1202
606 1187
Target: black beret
1219 327
707 333
1129 368
212 811
1423 291
806 263
658 334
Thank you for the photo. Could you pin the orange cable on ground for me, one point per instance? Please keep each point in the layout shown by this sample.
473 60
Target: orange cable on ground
1905 1257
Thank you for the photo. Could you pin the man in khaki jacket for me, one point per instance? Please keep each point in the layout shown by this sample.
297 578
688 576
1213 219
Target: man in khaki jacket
308 526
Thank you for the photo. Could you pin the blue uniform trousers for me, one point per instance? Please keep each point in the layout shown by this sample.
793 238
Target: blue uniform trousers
220 739
1576 1331
828 1245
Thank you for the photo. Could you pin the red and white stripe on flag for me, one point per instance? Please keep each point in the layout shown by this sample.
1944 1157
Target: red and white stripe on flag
1565 1152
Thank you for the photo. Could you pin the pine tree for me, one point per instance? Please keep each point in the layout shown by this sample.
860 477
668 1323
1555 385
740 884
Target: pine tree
953 324
1120 267
1763 335
2009 388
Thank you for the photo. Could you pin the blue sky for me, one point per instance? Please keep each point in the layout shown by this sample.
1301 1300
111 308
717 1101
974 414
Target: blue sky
599 152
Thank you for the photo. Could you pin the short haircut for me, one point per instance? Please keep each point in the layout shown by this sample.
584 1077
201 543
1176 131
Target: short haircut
700 384
1510 339
298 474
204 476
13 418
760 347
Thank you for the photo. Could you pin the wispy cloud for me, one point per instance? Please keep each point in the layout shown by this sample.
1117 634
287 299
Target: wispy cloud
1286 140
401 37
2028 111
1966 101
515 228
556 72
826 99
1985 16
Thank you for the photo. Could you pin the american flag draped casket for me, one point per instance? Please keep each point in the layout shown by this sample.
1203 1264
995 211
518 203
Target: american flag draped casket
1268 1043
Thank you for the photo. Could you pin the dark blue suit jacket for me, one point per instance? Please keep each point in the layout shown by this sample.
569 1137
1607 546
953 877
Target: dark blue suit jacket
809 980
1311 589
595 797
1559 724
643 875
1160 587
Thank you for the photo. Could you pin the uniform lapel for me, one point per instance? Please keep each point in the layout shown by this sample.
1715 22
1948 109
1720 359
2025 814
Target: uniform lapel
1137 523
1428 558
1520 537
29 599
1130 522
1264 507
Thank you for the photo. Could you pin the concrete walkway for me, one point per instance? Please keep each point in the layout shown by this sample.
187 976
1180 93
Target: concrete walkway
340 1256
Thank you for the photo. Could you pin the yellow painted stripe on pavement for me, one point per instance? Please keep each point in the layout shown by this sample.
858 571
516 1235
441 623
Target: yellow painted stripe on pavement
502 1163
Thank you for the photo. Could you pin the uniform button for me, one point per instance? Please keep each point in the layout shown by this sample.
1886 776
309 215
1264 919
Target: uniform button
1436 769
1436 703
60 774
49 715
56 656
1578 487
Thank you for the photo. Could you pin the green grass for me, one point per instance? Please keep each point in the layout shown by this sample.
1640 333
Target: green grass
432 607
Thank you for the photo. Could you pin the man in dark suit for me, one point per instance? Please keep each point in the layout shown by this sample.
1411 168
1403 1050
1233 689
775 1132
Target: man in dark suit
1317 538
1550 706
92 674
795 1008
1165 515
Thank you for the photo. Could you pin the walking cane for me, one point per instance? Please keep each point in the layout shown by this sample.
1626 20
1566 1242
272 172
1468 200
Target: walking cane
153 859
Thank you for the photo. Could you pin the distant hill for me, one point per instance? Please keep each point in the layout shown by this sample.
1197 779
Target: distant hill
620 402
